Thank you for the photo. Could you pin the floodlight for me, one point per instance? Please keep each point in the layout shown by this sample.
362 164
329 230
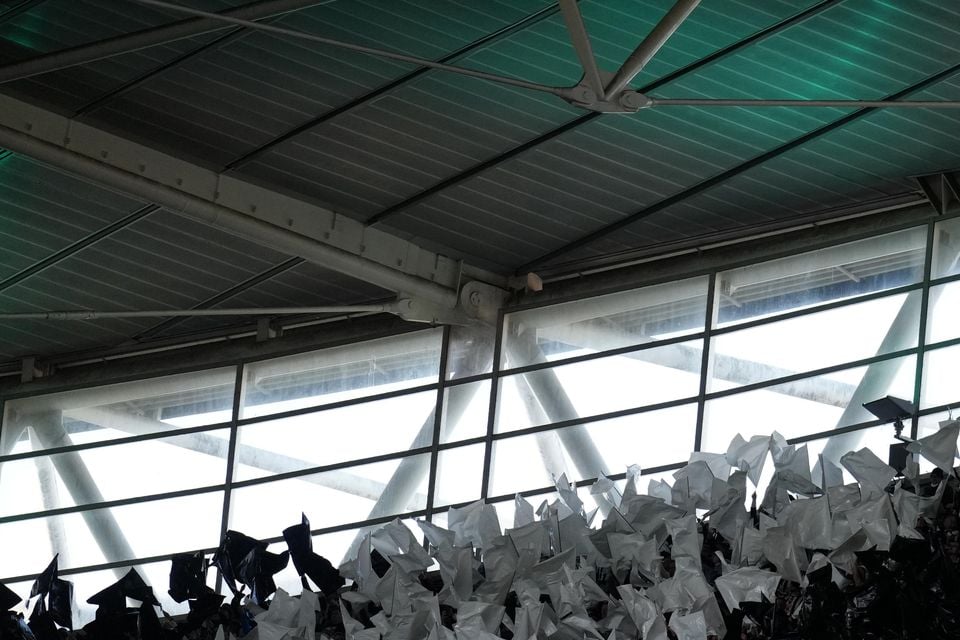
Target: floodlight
893 409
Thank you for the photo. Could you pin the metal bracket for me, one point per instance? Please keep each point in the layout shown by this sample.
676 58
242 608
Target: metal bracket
942 189
482 301
479 304
30 370
627 101
267 329
420 310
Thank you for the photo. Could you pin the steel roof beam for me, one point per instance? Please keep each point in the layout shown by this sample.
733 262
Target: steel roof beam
584 119
650 46
144 39
288 225
734 171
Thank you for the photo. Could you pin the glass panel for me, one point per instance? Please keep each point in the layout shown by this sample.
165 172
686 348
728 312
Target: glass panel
582 389
604 322
808 405
940 377
153 528
120 410
341 373
815 278
470 351
459 475
118 472
335 435
815 341
331 498
465 409
946 249
648 439
943 312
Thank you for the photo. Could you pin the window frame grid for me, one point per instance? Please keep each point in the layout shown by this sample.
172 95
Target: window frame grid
443 383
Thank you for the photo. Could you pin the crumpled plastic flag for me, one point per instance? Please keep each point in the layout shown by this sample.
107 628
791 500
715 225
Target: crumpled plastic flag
684 589
307 563
660 489
456 569
749 456
748 545
602 485
712 615
686 539
438 537
826 474
522 511
809 522
819 561
692 626
243 559
910 507
629 549
500 566
693 486
779 548
792 466
844 556
876 518
642 611
479 615
475 524
648 514
939 448
747 584
8 599
633 481
871 472
394 538
114 598
717 462
290 618
568 494
55 603
527 621
188 576
533 535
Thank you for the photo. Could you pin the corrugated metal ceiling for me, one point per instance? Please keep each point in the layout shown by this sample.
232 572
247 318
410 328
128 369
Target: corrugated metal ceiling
501 176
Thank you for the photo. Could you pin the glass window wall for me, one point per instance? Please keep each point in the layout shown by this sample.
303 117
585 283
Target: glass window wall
409 425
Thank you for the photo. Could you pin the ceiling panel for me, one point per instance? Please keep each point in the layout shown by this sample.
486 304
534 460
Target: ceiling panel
43 211
575 183
232 99
53 25
160 262
497 175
